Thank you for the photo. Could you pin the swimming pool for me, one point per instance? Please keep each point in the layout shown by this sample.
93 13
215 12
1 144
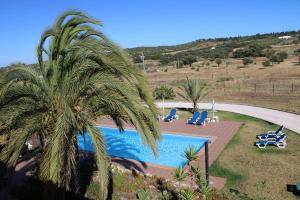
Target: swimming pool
128 144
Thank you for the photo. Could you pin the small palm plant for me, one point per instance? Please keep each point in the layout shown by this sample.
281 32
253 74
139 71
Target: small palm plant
143 195
203 187
196 172
180 174
188 194
192 91
190 154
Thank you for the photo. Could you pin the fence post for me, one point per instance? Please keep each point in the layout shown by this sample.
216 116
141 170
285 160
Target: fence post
254 87
239 87
273 89
292 87
224 86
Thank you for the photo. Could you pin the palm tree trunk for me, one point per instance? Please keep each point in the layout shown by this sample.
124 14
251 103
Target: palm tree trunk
195 107
110 187
41 138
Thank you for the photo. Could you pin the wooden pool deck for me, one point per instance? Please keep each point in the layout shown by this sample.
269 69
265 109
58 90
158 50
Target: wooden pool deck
219 133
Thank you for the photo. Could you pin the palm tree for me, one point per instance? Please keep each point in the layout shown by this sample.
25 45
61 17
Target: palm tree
81 75
192 91
190 154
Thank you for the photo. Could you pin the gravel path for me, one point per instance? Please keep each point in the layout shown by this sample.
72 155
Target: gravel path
289 120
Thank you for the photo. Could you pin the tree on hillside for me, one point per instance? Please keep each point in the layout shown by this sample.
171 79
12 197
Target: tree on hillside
189 60
194 91
218 61
81 75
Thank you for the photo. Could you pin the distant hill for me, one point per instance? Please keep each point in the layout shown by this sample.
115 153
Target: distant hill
259 45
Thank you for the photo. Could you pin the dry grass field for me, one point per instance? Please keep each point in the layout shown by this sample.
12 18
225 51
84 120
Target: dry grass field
276 86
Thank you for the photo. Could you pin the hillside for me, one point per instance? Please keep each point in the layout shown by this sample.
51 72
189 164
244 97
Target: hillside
267 79
237 47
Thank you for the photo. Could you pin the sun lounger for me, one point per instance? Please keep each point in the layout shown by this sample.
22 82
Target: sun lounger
203 118
271 134
194 118
279 142
171 116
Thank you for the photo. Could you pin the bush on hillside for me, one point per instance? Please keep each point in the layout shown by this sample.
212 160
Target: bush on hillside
253 50
266 63
274 59
282 56
189 60
163 92
247 61
269 53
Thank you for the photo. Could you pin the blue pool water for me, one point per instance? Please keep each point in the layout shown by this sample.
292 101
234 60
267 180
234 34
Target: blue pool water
128 144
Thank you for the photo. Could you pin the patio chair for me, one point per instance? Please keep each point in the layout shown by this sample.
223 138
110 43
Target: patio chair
194 118
271 134
203 118
279 142
171 116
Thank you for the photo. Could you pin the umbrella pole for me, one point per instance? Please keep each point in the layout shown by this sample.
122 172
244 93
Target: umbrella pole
163 107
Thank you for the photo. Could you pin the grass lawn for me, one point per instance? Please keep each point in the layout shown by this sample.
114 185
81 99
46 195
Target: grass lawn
256 173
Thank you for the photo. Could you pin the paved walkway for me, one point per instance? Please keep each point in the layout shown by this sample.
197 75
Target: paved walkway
289 120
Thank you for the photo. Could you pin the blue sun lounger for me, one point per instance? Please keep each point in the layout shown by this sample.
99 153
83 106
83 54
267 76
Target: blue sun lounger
171 116
279 142
271 134
203 118
194 118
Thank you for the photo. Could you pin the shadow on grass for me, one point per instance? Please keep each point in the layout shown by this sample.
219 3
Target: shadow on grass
231 176
271 150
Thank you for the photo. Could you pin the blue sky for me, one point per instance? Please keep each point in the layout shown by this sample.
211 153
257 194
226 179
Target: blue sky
133 23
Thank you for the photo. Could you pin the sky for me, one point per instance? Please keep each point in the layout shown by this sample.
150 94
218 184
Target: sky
132 23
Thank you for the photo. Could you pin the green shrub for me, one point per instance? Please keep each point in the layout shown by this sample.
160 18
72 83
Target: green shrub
282 56
163 92
143 195
180 174
189 60
274 59
187 194
269 53
266 63
247 61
